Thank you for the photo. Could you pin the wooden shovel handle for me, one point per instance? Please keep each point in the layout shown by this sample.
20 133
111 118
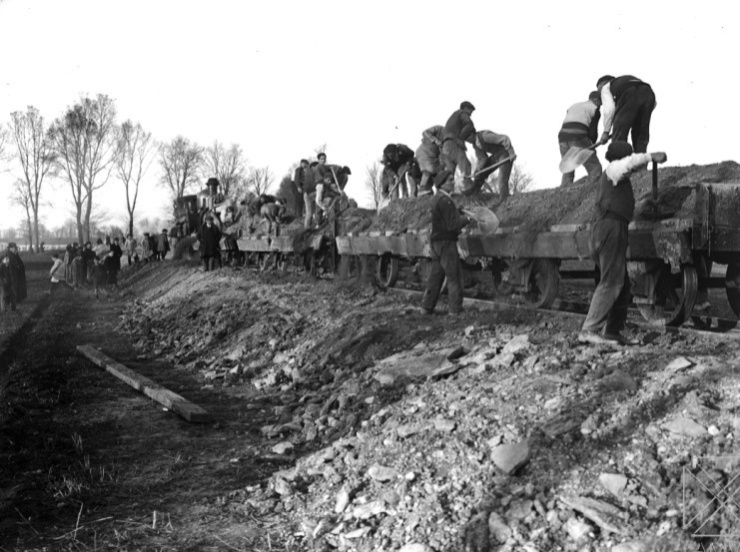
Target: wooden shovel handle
655 181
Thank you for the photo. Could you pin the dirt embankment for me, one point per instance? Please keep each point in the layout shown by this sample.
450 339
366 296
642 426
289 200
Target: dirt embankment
347 420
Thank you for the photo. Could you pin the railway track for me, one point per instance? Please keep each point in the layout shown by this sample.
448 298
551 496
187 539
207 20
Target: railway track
705 326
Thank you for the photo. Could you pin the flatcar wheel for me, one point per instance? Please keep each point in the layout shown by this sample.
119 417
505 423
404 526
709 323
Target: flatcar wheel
544 281
387 270
732 287
675 295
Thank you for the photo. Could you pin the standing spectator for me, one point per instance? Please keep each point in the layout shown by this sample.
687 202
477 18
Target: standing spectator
115 264
153 244
68 263
17 273
88 260
210 244
131 249
146 248
7 295
163 244
56 274
446 226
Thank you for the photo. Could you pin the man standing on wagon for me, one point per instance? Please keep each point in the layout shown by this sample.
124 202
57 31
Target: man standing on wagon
627 104
458 129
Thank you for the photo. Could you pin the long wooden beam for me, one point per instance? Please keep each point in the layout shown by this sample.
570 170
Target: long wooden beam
172 401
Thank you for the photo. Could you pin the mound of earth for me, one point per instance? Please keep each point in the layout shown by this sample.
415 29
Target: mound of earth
492 433
538 210
414 213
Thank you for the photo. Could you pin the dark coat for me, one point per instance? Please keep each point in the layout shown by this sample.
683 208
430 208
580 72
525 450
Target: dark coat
117 254
210 240
6 284
18 276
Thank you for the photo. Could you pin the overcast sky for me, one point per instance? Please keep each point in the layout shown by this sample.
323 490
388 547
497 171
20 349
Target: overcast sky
282 77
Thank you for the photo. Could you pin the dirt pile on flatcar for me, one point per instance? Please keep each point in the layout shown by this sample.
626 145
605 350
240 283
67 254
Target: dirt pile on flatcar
406 214
538 210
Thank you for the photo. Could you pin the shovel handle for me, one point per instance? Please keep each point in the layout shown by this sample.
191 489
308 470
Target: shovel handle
655 181
495 165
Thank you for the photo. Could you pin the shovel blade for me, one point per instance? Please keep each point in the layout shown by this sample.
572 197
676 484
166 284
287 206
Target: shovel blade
574 158
485 218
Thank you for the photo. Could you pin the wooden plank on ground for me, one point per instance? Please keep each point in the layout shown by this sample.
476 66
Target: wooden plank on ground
170 400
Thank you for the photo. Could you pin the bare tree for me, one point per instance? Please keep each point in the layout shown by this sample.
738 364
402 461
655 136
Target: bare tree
22 197
36 155
84 145
259 180
134 154
519 181
226 165
3 141
180 161
374 184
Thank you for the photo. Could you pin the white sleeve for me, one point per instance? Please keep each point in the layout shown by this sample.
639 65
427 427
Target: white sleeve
607 107
617 170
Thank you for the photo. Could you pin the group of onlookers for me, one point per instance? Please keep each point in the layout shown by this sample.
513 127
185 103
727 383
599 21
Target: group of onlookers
154 247
88 266
12 279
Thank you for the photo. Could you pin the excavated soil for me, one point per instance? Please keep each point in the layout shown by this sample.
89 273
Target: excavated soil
346 420
537 210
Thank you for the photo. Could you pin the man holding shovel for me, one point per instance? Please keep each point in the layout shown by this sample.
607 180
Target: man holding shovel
580 130
627 104
492 149
615 205
447 222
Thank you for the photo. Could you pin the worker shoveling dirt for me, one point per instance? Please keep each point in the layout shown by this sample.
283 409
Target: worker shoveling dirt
575 157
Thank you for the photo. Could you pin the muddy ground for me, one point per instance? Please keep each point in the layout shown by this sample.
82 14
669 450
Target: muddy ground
346 420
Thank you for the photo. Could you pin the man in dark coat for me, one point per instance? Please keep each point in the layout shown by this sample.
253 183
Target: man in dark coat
163 244
115 264
210 249
615 206
627 104
88 259
17 273
447 223
7 295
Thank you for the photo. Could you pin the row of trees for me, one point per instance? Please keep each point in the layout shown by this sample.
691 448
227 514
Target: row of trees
86 146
